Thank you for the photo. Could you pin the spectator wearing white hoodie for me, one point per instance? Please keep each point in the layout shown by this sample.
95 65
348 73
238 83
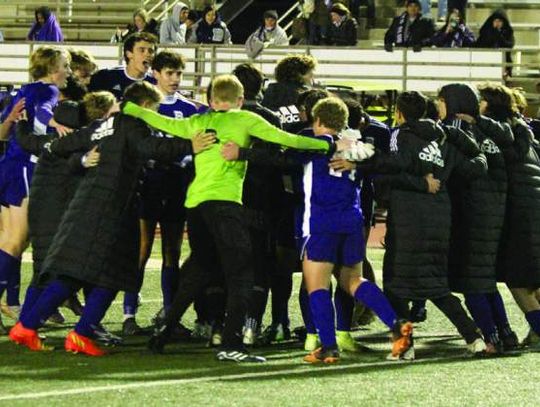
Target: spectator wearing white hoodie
173 29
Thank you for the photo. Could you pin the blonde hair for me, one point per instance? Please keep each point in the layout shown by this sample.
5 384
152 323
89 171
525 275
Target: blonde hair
141 13
82 60
97 104
332 113
520 99
226 88
45 60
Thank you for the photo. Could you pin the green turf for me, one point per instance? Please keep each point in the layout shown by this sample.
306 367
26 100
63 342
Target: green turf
188 374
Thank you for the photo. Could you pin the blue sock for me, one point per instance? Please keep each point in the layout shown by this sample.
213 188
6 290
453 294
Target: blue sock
30 298
303 299
480 309
372 297
14 285
499 313
169 283
8 264
131 303
533 318
344 304
47 303
97 304
322 311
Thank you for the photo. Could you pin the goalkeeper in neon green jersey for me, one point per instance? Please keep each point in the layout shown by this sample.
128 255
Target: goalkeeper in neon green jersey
218 235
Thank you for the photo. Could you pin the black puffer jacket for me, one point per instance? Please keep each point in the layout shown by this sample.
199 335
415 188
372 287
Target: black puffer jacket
418 224
478 209
519 255
98 238
346 34
281 98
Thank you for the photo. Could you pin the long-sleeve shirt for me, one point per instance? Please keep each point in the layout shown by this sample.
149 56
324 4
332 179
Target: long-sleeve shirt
215 178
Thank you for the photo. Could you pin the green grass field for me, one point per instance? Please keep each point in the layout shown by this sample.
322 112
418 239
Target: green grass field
188 375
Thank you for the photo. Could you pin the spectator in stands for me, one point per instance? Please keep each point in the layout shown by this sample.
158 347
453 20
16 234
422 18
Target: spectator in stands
442 8
141 23
343 29
173 29
454 34
460 5
199 5
496 32
269 33
410 29
316 13
83 65
46 27
210 29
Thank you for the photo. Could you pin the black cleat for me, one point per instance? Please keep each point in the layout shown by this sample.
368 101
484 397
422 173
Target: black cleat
131 328
105 337
239 356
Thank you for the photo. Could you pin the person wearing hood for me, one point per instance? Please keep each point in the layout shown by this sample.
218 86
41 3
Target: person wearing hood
173 29
497 32
410 29
478 209
141 23
210 29
269 33
343 29
418 226
454 34
46 27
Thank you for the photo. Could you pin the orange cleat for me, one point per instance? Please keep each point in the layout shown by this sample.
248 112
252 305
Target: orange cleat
322 356
28 337
81 344
402 338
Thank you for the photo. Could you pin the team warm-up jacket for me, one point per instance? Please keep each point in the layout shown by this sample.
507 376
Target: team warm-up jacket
519 254
418 225
98 238
478 208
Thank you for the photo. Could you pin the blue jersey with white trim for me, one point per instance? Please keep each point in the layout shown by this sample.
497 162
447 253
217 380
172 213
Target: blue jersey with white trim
331 199
40 100
115 80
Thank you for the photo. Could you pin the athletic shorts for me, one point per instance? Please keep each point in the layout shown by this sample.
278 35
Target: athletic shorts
15 178
163 194
344 249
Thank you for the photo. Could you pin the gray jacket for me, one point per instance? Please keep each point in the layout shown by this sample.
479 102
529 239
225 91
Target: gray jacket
262 38
172 31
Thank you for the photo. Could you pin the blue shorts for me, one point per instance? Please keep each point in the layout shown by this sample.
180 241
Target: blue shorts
15 178
163 193
343 249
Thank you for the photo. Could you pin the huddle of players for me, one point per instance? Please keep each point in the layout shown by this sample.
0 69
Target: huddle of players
236 273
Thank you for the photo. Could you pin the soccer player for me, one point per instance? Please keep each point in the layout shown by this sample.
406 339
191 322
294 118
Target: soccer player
214 197
163 190
83 65
139 50
49 67
97 242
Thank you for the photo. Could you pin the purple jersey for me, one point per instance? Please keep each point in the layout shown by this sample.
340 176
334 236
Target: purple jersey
40 100
115 80
331 199
179 107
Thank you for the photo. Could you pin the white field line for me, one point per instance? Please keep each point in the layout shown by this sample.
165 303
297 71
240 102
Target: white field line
302 369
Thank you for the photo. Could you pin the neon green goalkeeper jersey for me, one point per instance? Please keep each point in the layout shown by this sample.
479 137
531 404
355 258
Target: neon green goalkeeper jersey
215 178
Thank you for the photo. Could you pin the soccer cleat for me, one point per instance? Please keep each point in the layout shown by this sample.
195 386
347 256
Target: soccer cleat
477 347
74 305
76 343
346 342
201 330
131 328
321 355
239 356
276 333
531 340
312 342
57 318
105 337
10 311
401 338
510 341
28 337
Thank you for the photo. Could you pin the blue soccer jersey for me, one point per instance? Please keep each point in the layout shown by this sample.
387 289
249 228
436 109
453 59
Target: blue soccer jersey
115 80
179 107
40 100
331 199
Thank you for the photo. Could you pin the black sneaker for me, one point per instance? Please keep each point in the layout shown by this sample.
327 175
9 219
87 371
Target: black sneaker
276 333
131 328
238 356
106 338
510 341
